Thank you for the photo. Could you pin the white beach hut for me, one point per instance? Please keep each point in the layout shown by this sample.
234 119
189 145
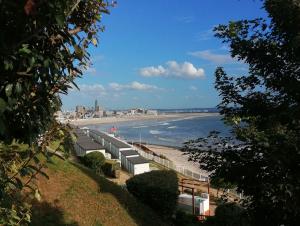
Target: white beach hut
84 146
125 155
137 165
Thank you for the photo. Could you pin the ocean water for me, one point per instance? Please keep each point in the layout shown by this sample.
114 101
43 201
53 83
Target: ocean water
169 132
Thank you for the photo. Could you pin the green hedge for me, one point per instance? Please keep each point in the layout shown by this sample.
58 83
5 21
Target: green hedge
94 160
157 189
111 168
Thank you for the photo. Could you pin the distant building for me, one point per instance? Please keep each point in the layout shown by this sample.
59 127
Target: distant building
131 111
97 109
140 111
108 113
151 112
80 111
119 113
98 114
96 105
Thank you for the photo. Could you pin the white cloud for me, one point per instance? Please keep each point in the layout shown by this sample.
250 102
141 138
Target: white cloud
185 19
193 88
205 35
213 57
132 86
173 69
95 89
90 70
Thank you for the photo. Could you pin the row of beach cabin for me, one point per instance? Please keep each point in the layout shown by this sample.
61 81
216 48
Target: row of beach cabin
111 147
122 151
84 144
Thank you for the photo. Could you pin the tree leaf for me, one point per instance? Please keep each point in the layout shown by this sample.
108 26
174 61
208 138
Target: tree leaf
94 41
60 19
8 90
3 105
18 88
25 49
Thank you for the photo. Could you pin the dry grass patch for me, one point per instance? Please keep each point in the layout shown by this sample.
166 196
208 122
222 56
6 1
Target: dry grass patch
74 195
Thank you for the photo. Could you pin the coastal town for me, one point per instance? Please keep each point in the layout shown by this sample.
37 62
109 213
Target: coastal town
83 112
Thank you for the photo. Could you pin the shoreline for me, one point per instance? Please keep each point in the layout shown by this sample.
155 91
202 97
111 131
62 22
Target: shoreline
161 117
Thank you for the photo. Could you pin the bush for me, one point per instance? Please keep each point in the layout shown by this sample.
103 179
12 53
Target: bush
182 218
229 214
111 168
157 189
94 160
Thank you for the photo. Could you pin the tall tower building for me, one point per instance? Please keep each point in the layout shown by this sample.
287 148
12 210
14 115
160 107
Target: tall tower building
96 105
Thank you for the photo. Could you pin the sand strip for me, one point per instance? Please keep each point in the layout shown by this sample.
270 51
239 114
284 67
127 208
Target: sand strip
161 117
177 157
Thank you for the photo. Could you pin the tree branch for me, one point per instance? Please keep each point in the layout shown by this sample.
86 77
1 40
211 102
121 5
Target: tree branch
74 31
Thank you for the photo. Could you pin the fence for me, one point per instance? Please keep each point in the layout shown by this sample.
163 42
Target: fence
170 165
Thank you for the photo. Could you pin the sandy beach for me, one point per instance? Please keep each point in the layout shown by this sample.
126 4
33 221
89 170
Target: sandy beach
177 157
161 117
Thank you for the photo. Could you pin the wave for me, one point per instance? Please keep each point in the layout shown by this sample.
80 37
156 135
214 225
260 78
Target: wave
154 132
164 124
172 127
138 127
166 139
185 118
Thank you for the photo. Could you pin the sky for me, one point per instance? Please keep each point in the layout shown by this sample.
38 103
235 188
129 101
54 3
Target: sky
160 54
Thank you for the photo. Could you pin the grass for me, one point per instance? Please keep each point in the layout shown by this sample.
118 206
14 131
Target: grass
74 195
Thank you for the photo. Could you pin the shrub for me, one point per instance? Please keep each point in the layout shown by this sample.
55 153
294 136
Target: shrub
229 214
94 160
157 189
182 218
111 168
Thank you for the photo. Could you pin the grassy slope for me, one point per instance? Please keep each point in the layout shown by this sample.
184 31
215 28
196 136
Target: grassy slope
76 196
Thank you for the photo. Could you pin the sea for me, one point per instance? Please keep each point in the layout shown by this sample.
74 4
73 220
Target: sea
172 132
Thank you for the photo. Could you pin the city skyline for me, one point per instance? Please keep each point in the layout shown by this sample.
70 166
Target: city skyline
160 54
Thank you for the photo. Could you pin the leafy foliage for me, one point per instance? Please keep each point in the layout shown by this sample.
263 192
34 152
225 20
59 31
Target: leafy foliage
228 214
43 49
95 160
157 189
263 109
19 165
111 168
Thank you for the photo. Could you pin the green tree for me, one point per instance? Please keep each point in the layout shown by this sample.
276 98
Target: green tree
228 214
263 108
220 183
43 49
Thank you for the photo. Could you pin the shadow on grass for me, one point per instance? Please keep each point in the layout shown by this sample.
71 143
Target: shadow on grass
143 215
46 214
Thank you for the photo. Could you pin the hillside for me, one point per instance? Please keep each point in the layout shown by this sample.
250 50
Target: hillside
74 195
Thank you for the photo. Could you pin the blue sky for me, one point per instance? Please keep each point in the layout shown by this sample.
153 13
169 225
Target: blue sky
160 54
